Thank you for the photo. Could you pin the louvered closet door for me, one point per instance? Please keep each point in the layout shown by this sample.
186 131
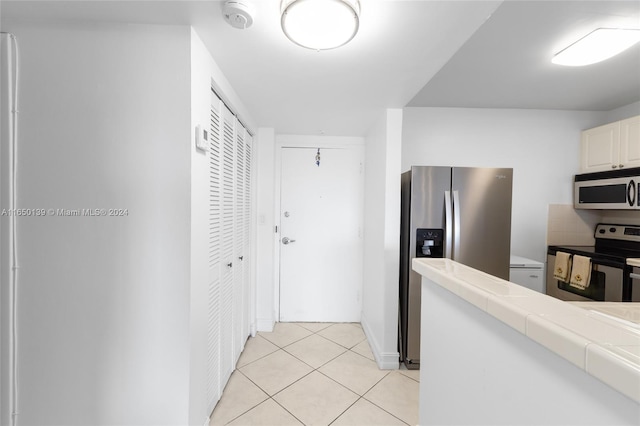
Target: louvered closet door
228 325
246 221
227 357
238 243
215 217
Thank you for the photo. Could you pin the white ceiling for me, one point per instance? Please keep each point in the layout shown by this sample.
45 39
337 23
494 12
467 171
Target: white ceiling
506 64
413 52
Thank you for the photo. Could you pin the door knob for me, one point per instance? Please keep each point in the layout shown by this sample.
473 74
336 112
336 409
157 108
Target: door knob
287 240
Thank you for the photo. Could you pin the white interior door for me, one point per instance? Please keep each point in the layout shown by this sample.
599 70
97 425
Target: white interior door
321 243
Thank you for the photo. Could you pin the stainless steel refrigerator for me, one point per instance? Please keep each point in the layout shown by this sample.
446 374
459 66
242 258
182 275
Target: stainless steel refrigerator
461 213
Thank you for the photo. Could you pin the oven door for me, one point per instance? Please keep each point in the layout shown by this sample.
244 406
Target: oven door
605 285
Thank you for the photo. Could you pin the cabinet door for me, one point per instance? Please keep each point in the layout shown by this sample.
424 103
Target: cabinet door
630 142
530 278
600 148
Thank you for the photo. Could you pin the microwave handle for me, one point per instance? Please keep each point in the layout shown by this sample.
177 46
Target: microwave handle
632 193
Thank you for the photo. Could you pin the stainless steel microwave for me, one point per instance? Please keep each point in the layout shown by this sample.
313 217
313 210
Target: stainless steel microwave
611 190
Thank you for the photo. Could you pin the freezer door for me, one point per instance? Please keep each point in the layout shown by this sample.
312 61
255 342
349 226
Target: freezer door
482 218
428 185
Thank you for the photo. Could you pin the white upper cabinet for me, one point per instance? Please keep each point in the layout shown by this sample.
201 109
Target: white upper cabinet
612 146
630 142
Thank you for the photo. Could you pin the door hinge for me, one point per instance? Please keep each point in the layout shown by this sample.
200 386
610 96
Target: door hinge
276 229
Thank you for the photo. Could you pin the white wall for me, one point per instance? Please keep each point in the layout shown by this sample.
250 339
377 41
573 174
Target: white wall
542 146
5 240
265 235
199 298
621 113
103 302
382 237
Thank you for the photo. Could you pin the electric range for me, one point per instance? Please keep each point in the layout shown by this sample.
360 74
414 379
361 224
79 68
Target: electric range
611 275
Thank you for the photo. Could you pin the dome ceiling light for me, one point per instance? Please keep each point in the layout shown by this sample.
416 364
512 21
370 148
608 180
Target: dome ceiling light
320 24
597 46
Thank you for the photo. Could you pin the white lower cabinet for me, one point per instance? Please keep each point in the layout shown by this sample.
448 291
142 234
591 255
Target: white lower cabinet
528 273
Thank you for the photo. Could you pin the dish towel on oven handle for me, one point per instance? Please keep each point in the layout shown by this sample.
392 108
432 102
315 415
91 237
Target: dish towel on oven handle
562 267
580 272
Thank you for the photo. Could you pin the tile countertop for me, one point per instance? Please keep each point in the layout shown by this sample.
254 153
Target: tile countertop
633 262
603 339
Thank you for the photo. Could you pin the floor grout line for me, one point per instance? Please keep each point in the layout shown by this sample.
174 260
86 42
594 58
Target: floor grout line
409 377
347 409
316 369
285 409
340 354
258 359
246 411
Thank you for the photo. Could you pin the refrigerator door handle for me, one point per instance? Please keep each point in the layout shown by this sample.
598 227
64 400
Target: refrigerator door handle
448 224
456 225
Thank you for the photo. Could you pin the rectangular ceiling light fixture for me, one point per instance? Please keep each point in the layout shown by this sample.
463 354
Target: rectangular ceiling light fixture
597 46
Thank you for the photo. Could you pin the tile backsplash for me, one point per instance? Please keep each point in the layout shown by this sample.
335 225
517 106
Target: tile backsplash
622 217
569 226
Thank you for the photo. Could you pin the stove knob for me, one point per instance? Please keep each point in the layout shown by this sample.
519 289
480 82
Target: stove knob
602 231
612 230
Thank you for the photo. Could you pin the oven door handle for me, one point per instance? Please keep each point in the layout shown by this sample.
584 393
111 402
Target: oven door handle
634 276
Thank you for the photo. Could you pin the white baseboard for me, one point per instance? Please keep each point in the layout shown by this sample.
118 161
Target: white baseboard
265 324
385 360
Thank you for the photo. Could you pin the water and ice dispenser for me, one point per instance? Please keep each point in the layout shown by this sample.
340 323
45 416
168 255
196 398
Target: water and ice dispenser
429 242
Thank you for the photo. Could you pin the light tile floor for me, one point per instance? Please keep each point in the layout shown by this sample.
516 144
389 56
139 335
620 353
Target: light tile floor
315 374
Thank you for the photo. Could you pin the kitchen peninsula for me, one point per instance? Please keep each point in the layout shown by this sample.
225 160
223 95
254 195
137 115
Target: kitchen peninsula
494 352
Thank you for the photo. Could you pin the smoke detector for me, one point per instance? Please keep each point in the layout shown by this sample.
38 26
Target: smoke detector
239 14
